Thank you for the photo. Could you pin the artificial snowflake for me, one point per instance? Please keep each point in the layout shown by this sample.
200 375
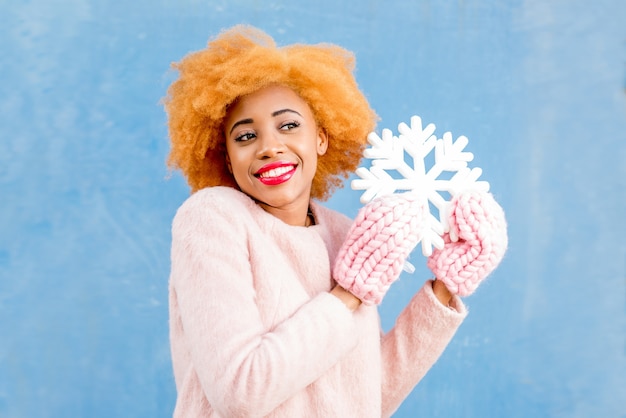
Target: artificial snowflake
434 177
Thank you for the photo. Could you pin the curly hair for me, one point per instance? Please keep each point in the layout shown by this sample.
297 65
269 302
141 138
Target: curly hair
242 60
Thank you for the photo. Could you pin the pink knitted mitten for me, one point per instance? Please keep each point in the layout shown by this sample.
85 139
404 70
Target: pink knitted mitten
475 245
383 234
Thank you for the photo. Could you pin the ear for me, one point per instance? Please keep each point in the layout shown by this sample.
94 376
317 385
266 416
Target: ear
322 141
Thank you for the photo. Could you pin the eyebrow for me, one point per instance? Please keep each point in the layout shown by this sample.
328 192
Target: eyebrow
280 112
240 122
274 114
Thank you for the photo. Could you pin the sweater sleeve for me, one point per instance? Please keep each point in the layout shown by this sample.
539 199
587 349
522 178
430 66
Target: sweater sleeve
421 333
245 369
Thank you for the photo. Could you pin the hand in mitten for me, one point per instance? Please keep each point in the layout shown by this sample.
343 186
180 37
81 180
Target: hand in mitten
383 234
475 244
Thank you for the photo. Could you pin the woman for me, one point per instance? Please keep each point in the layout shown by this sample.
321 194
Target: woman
259 324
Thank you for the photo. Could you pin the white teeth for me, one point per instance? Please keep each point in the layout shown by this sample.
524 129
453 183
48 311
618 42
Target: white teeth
275 172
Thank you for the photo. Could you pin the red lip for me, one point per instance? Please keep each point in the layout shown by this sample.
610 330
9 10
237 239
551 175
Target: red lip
285 170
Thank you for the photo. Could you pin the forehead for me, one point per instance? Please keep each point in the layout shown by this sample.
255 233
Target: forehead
265 101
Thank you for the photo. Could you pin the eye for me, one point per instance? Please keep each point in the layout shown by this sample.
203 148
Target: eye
245 136
287 126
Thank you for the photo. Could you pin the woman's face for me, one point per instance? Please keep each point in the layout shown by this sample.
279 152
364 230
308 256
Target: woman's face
272 145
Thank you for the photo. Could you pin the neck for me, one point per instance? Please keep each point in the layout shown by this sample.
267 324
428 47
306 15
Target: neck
295 216
310 219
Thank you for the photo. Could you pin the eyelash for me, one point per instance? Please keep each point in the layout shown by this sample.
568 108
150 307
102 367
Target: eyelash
246 136
291 125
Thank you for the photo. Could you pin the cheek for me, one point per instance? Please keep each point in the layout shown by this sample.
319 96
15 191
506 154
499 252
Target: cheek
240 168
237 171
313 159
233 159
236 168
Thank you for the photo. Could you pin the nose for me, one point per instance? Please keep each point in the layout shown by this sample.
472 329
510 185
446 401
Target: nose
269 145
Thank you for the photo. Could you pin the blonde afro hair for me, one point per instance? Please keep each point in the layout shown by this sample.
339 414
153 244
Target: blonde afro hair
243 60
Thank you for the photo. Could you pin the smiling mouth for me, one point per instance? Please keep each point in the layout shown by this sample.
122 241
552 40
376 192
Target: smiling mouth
274 174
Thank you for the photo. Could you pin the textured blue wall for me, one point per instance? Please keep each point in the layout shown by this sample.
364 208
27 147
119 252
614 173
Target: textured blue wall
537 86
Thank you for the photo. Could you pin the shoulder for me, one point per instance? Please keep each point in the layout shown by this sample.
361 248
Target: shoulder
218 196
329 217
214 204
332 226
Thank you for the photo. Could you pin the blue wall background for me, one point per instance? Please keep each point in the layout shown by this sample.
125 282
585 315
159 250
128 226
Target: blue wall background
538 87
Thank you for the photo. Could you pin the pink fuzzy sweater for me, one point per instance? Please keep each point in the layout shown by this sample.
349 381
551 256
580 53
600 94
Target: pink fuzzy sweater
254 331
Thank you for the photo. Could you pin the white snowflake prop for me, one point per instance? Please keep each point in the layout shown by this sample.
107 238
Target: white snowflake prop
447 174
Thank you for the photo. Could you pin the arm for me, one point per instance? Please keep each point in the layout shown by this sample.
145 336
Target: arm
473 248
441 292
348 299
421 333
243 367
